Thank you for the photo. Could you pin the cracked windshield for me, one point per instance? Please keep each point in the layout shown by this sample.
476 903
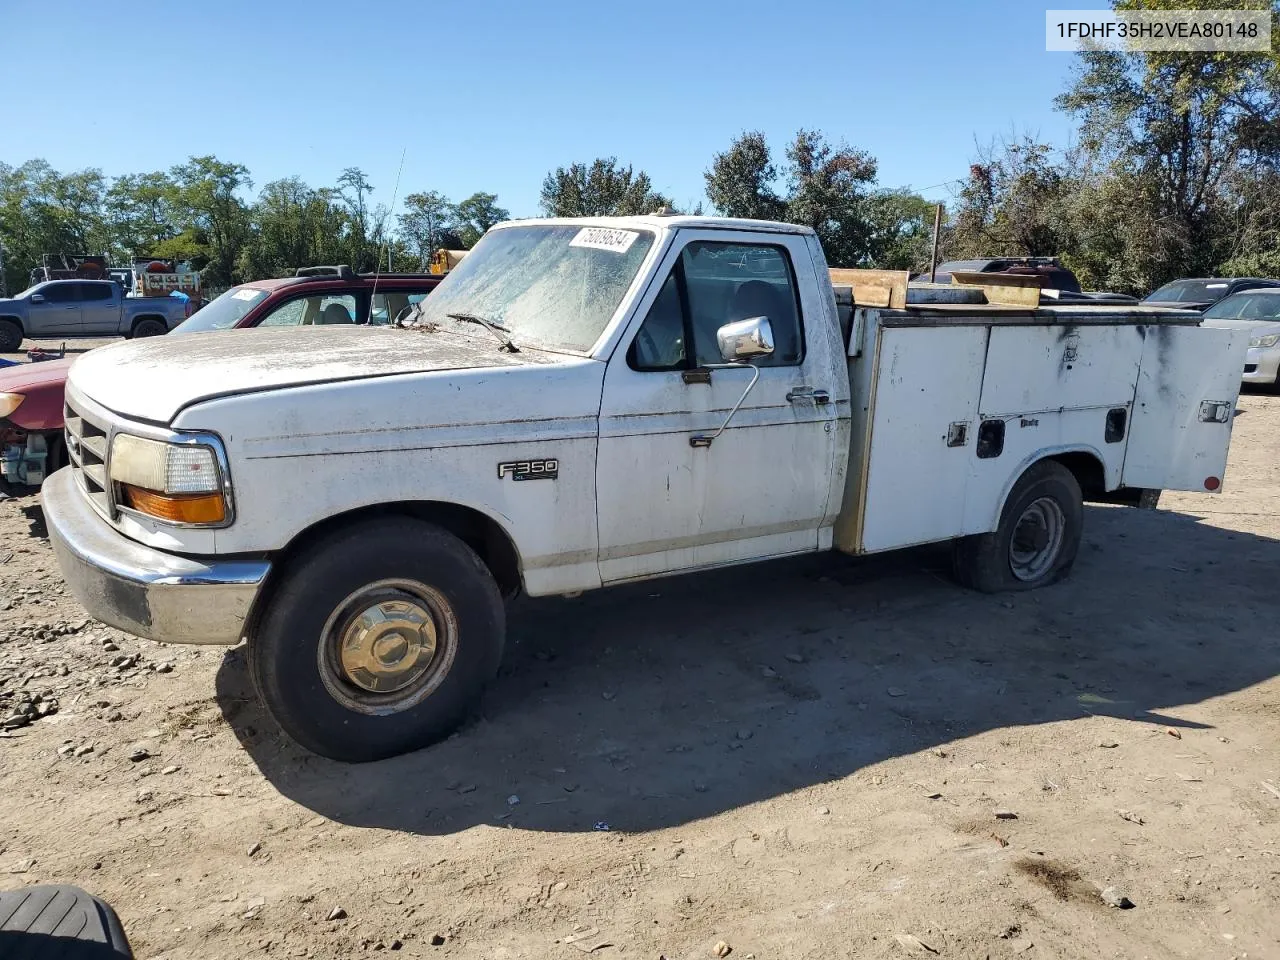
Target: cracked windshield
547 286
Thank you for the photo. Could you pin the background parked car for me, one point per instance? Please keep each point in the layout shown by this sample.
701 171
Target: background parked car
31 394
1257 311
1063 285
1202 292
1050 270
84 308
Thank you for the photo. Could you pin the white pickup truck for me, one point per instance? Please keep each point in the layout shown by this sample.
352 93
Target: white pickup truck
591 402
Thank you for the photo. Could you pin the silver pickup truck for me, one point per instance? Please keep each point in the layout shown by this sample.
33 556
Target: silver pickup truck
84 308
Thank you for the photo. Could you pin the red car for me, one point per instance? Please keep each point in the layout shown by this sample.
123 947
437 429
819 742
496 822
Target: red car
31 393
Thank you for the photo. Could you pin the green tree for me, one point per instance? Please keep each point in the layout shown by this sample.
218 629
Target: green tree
142 211
829 188
1013 203
294 225
899 230
1191 135
476 214
602 188
741 181
43 211
427 224
214 221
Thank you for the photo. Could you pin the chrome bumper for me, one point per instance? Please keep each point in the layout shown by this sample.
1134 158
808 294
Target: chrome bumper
141 590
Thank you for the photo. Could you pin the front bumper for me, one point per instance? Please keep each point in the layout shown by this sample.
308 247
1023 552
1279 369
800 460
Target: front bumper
140 590
1262 365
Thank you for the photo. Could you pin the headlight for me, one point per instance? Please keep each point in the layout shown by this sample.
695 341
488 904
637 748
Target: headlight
10 402
1268 341
178 483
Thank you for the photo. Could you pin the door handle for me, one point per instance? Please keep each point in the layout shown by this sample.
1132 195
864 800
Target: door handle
816 395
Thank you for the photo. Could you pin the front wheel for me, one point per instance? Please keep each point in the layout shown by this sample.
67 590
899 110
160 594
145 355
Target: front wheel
10 336
1038 537
149 328
378 640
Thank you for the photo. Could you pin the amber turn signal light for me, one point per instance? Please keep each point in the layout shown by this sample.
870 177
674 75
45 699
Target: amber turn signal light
187 508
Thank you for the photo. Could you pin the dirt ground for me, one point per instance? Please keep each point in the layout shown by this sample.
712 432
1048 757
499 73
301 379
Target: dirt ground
806 759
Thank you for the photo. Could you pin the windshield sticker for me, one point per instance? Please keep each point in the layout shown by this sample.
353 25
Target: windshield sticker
602 238
1214 286
246 293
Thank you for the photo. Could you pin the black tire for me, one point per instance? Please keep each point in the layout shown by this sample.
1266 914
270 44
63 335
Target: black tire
298 665
10 336
149 327
987 562
60 921
56 453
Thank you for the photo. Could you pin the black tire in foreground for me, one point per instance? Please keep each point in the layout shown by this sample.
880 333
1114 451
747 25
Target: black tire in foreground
59 921
149 328
10 336
1038 537
378 640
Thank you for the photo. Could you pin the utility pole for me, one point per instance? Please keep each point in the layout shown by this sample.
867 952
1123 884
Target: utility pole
933 258
4 287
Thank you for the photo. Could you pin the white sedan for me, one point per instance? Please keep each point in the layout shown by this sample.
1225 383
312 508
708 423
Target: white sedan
1257 311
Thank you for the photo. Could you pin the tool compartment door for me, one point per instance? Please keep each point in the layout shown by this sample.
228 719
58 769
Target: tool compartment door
917 465
1183 407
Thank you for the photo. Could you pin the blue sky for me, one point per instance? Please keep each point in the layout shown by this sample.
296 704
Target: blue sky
492 95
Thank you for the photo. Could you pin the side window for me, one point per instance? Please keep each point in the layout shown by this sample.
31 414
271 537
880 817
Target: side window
285 315
734 281
61 293
387 306
659 344
95 291
716 283
317 310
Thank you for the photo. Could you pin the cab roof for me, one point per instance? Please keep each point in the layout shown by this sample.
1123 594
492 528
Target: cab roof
657 221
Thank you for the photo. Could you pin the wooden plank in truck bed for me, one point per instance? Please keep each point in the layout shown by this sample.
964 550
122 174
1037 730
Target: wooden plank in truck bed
874 288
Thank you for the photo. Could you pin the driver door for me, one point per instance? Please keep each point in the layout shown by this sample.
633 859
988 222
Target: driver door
57 313
761 488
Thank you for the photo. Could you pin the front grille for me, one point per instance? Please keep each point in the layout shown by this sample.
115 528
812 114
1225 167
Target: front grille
87 441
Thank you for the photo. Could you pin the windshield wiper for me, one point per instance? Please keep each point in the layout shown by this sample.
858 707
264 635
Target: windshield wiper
497 329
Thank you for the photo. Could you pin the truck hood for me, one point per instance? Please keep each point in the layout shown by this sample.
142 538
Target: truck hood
24 377
155 378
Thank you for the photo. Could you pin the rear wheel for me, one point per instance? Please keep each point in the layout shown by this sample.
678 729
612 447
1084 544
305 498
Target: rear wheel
10 336
1038 537
149 328
378 640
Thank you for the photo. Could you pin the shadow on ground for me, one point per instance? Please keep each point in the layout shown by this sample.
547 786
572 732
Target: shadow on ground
652 705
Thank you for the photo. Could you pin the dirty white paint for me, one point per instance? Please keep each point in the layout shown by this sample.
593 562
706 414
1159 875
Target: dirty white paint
761 489
323 421
1169 445
916 485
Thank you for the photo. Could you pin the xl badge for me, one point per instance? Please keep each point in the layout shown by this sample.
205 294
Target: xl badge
530 469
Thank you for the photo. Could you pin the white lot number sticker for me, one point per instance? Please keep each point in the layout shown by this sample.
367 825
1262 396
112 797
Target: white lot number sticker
602 238
245 293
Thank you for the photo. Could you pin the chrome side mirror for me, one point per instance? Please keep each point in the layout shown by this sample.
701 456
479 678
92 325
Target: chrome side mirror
744 340
37 298
740 342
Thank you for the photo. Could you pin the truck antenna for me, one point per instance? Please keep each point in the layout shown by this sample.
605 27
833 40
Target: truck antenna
377 268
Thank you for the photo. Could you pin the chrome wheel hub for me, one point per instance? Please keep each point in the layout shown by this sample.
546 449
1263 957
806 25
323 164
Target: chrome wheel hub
387 646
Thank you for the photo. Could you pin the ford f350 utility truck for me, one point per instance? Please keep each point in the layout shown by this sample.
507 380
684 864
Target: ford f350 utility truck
591 402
